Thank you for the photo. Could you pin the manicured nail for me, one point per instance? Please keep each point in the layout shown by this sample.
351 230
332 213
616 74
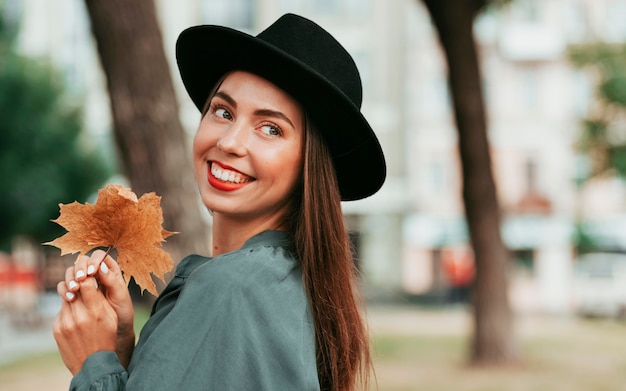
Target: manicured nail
104 268
91 269
80 274
69 295
72 284
95 282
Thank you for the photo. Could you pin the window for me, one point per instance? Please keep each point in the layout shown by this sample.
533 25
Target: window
356 7
583 92
326 6
433 96
529 11
576 22
615 26
335 8
524 262
530 89
436 177
239 14
531 175
297 7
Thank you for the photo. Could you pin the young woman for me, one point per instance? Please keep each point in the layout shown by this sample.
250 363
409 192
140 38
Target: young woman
281 142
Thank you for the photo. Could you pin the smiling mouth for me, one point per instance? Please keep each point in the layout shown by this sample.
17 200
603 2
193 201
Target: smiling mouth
227 175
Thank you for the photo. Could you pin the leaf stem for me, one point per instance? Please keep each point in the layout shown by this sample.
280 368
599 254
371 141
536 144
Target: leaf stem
106 253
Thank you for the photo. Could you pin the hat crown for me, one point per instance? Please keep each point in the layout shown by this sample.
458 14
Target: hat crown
312 46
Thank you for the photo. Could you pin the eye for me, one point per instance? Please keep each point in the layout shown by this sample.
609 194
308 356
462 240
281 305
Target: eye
271 130
221 112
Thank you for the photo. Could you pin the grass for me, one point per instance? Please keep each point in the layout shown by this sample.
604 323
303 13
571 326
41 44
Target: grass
37 364
579 355
557 355
40 372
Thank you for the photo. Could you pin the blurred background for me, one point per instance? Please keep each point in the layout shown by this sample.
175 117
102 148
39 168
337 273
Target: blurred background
553 81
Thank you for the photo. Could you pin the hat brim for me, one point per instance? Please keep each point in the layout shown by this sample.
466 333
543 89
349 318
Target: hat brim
206 53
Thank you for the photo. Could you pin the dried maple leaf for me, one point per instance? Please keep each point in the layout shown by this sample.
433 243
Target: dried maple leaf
118 219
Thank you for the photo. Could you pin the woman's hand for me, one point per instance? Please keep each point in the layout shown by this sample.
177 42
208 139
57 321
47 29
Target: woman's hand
84 326
113 287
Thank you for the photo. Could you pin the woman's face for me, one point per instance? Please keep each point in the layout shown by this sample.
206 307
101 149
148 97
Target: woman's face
248 149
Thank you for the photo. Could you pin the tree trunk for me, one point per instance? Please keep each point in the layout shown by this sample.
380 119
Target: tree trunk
493 341
151 141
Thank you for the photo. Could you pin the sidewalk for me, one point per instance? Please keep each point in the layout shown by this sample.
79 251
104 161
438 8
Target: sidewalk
404 320
16 343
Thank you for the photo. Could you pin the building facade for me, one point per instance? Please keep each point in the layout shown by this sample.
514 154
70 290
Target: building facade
405 233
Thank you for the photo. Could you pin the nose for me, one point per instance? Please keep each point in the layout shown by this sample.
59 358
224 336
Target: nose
233 140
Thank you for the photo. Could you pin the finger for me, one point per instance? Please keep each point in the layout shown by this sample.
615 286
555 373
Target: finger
110 275
62 290
110 266
97 258
70 281
59 327
90 296
93 263
80 268
116 291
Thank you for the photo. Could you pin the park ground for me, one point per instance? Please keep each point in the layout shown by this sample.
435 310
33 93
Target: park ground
423 349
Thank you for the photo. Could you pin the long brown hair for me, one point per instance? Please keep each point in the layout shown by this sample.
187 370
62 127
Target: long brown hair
329 273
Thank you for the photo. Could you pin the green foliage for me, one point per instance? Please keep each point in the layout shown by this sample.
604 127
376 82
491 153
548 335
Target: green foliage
617 158
608 59
584 241
594 131
42 160
602 136
613 90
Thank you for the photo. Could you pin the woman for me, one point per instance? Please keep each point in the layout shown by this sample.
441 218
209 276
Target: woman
281 142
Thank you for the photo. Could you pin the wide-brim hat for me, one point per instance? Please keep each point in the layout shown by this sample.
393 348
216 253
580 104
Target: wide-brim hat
304 60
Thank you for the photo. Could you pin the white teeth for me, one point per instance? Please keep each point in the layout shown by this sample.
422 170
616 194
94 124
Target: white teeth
226 175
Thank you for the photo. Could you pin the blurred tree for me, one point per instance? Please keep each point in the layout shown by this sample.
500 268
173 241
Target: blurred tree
603 136
151 140
42 159
493 339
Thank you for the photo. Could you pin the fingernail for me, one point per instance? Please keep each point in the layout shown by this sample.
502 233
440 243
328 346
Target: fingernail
91 269
80 274
69 295
72 284
95 282
104 268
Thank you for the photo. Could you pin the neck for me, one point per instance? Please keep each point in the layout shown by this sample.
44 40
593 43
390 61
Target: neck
229 234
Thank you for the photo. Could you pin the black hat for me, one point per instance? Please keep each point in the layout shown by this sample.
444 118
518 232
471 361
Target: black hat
309 64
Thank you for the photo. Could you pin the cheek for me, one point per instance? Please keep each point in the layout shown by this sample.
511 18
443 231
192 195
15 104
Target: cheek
201 142
196 147
200 148
292 167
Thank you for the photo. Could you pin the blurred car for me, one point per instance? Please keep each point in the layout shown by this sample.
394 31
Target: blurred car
600 285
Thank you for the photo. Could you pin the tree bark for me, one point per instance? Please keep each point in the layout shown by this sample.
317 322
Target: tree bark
492 341
151 141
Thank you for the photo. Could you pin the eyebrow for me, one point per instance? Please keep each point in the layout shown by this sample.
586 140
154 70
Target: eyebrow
258 112
226 97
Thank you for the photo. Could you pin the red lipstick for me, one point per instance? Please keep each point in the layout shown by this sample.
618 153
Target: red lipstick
223 185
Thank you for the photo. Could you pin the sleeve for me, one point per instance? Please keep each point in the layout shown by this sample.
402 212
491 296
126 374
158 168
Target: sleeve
101 371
